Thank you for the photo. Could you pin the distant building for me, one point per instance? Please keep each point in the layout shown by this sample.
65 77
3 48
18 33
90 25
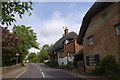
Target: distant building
65 48
100 33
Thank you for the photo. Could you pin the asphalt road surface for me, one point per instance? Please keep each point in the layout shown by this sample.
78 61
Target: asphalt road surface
39 70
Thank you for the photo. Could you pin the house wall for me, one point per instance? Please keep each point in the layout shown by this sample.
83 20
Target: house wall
105 39
62 58
72 47
62 61
67 48
65 60
59 52
119 36
77 47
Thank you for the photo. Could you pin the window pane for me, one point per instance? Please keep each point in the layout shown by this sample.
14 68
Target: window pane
87 60
118 30
90 40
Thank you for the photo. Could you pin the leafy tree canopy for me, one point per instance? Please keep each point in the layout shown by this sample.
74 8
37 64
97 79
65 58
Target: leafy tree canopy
32 57
9 9
27 39
44 53
9 43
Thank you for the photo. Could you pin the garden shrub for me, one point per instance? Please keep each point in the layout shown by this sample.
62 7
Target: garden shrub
52 63
107 66
22 65
96 71
70 66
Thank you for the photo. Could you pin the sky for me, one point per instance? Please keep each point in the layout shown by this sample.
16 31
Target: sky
49 19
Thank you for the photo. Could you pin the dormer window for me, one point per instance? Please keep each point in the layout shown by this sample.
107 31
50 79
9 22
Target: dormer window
90 40
66 41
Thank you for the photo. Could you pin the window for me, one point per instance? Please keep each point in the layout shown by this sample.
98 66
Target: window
92 60
117 27
90 40
104 15
87 60
61 55
66 41
71 54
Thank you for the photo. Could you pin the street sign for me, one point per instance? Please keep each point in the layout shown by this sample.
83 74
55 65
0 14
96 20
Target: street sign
17 54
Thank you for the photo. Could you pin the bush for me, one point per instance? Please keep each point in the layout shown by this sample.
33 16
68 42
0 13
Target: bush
107 66
96 71
114 76
70 66
52 63
22 64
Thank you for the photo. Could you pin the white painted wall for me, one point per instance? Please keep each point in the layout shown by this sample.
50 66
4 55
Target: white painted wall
64 60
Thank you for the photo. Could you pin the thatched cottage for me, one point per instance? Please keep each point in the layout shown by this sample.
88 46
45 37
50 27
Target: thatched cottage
100 33
64 49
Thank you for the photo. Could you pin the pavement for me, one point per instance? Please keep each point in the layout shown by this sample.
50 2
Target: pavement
14 73
41 71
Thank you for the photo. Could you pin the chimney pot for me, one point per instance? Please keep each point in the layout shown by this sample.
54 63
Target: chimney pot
66 31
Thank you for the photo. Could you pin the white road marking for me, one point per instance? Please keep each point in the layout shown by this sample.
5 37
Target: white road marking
40 70
43 74
38 67
22 73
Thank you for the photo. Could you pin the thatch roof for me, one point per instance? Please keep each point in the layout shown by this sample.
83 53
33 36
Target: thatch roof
94 10
60 43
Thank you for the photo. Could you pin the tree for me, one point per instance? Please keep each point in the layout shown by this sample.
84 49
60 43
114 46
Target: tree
9 9
44 53
9 43
27 40
32 57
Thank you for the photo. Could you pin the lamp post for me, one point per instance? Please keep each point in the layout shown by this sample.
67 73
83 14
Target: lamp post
17 54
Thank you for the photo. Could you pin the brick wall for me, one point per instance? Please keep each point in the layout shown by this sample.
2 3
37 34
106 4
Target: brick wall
72 47
77 47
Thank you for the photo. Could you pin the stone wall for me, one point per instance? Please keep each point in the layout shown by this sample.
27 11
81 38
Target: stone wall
10 68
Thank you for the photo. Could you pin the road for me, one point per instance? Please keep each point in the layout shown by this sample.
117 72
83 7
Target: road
39 70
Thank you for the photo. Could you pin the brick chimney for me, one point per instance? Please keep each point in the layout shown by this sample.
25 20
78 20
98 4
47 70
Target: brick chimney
66 31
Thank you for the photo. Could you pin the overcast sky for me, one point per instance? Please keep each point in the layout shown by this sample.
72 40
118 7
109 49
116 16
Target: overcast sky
49 18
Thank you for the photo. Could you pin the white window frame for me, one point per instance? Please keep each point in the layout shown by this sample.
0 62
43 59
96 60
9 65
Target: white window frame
90 40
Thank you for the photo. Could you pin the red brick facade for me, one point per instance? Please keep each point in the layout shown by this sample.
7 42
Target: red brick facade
72 47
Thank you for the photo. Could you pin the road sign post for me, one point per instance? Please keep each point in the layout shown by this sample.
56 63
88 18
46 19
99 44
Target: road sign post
16 59
17 54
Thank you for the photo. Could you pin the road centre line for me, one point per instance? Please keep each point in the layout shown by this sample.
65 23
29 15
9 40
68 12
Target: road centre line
38 67
40 70
43 74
